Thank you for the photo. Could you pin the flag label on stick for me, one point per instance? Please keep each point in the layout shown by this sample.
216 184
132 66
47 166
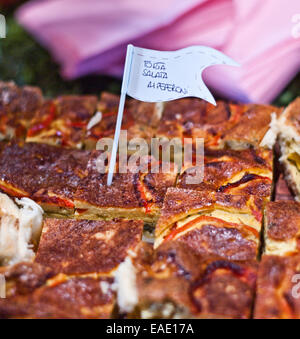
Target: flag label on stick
163 76
157 76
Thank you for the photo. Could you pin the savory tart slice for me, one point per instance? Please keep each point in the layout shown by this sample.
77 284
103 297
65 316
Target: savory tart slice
131 195
61 179
48 175
63 121
232 172
194 118
228 125
138 120
251 128
17 108
282 228
34 292
277 293
77 247
289 140
18 168
209 223
174 282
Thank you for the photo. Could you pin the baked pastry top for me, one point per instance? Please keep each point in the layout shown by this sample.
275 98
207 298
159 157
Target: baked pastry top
92 260
277 293
139 120
211 223
232 172
63 122
34 292
282 228
175 282
17 108
87 246
236 126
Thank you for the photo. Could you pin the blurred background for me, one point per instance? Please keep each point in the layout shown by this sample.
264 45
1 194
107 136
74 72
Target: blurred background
27 57
25 61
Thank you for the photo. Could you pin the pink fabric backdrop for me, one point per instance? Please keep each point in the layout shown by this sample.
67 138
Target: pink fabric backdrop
91 36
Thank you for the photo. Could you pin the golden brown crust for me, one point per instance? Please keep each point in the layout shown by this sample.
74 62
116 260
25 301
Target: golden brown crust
80 297
49 175
133 120
233 172
194 118
226 124
63 179
75 107
179 117
62 122
144 113
24 278
283 220
155 182
17 159
221 239
199 287
144 191
211 224
94 191
274 295
17 108
226 289
252 126
19 100
86 246
180 203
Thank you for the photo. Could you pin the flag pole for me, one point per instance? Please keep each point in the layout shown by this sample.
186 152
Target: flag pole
125 82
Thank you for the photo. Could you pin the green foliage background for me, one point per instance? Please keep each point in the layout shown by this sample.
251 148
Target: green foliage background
23 60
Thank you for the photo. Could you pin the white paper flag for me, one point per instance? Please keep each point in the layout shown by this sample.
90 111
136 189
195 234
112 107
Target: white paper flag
155 76
163 76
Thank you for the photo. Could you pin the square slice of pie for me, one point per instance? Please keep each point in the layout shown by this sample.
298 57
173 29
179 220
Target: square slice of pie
17 107
132 195
63 121
247 172
251 128
47 174
34 292
211 224
282 228
194 118
76 247
175 283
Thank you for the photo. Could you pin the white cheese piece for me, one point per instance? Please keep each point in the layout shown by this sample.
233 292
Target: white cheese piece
31 217
105 287
95 120
18 228
125 286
